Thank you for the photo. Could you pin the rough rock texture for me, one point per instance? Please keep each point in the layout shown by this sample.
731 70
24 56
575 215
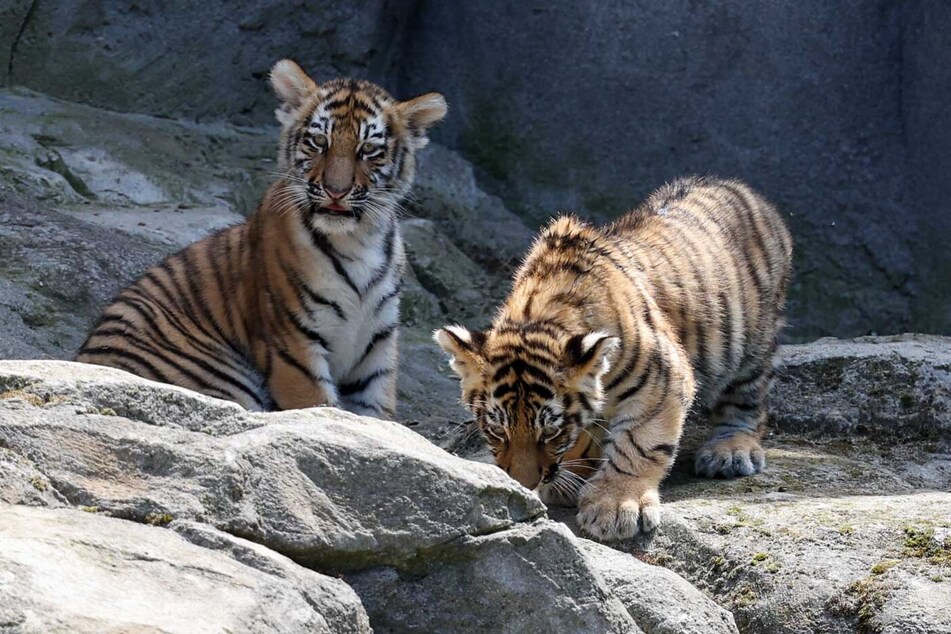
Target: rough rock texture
836 110
429 541
849 527
66 570
199 60
536 582
304 483
896 387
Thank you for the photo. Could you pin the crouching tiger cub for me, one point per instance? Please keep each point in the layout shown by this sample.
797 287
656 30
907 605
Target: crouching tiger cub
610 333
297 306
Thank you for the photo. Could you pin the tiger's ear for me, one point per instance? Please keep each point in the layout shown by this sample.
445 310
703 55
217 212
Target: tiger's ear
292 86
422 113
464 348
589 355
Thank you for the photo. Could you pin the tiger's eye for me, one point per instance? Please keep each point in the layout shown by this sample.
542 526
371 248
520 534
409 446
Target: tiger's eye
318 142
368 148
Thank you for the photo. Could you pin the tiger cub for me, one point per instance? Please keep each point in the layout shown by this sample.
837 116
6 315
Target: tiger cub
582 383
299 305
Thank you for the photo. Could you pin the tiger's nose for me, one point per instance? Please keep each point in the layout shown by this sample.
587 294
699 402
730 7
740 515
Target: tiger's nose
336 194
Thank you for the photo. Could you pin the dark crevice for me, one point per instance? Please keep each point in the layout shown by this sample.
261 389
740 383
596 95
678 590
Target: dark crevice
16 41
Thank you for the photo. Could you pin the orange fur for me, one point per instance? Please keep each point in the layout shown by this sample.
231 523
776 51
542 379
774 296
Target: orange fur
618 331
297 306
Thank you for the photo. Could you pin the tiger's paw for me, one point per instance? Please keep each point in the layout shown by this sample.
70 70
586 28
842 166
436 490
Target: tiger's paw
730 457
613 509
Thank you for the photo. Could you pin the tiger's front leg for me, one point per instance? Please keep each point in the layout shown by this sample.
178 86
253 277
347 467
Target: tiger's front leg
297 382
370 389
622 499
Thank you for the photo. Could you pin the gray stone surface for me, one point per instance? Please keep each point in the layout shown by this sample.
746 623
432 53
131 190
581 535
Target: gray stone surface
536 578
590 107
447 192
70 154
66 570
835 110
894 387
660 601
305 483
429 541
183 58
56 274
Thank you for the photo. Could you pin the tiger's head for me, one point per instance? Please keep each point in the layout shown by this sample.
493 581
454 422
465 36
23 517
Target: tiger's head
536 397
347 151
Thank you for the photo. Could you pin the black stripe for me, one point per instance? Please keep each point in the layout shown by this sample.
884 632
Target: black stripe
631 391
322 244
167 353
308 332
640 450
389 243
377 338
294 363
192 274
520 367
353 387
616 467
146 306
107 351
394 293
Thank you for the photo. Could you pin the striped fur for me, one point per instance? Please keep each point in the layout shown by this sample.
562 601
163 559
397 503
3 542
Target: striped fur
299 305
611 334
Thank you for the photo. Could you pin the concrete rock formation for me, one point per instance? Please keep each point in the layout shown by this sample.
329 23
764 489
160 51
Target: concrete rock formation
836 110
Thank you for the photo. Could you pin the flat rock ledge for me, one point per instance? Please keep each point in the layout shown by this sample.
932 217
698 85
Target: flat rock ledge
128 504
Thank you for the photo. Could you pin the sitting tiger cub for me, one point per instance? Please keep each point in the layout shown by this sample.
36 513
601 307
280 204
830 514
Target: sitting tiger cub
298 306
609 336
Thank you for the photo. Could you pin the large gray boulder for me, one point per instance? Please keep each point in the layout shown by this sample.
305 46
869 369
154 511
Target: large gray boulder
70 571
199 60
893 387
536 578
305 483
429 541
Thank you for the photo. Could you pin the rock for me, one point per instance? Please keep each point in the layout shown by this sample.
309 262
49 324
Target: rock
305 483
429 541
660 601
74 155
66 570
447 193
194 60
20 481
534 578
888 386
796 564
56 273
466 293
573 107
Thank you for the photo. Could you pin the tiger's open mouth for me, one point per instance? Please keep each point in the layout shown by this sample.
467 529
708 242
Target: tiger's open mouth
334 209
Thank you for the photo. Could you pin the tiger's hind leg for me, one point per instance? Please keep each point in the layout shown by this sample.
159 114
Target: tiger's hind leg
739 420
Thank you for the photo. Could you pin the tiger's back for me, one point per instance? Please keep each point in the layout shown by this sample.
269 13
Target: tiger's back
186 322
717 257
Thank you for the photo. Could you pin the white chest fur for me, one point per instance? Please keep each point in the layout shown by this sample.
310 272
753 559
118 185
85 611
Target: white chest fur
358 276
